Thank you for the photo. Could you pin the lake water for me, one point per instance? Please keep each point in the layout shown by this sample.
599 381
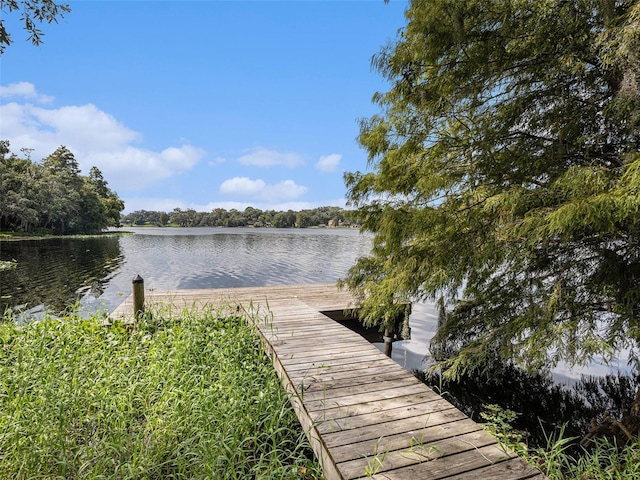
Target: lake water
97 272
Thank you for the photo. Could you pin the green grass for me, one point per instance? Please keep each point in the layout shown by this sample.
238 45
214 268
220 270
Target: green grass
601 460
562 458
177 396
8 265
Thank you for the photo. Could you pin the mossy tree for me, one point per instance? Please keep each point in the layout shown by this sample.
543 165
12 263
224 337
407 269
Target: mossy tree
504 179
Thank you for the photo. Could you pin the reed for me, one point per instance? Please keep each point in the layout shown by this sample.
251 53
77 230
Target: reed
562 458
185 395
602 460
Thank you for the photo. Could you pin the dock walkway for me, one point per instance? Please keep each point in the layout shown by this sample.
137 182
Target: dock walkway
365 416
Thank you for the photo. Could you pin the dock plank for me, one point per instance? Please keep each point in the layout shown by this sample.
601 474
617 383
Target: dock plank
404 440
416 452
364 415
413 401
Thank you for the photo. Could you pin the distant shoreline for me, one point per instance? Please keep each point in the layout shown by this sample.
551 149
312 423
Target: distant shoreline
18 236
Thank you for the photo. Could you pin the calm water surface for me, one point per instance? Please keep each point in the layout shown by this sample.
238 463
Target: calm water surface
98 271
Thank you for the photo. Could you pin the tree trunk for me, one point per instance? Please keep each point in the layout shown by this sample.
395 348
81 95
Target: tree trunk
621 431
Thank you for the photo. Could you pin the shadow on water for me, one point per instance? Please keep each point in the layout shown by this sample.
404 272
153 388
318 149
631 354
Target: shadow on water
373 334
56 272
543 405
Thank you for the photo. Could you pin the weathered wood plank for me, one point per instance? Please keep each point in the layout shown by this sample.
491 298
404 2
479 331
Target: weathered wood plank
395 385
297 362
413 413
350 381
322 404
454 464
311 326
335 375
339 371
384 460
345 343
404 440
354 436
414 401
513 468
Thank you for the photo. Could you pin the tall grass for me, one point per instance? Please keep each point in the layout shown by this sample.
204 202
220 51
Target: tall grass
187 395
602 460
562 457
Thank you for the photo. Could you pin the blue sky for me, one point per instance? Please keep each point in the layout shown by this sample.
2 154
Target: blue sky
202 104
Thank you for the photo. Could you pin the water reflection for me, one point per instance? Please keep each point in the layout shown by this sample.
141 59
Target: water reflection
54 273
98 271
543 405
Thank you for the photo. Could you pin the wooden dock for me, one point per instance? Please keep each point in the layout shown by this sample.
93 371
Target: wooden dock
365 416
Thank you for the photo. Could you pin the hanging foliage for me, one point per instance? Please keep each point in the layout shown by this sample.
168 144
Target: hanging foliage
504 179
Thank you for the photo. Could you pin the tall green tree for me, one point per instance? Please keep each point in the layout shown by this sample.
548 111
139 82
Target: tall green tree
65 186
504 179
33 13
110 204
53 195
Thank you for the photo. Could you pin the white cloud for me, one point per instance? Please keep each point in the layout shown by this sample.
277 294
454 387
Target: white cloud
285 190
134 168
89 127
277 206
24 90
262 157
216 161
242 186
95 138
329 163
260 190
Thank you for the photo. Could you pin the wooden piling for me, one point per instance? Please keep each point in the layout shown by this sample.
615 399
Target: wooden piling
388 341
138 296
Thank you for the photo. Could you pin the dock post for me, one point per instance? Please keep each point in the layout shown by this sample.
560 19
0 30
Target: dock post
138 296
388 342
388 339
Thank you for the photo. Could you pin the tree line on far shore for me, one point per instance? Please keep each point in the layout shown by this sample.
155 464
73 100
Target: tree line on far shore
250 217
